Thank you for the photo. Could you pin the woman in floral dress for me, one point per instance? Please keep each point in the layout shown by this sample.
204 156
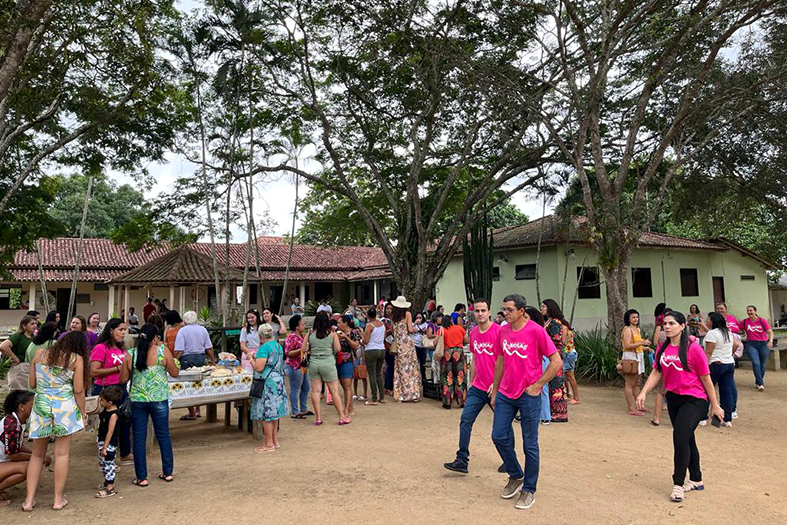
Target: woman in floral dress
558 329
272 406
407 374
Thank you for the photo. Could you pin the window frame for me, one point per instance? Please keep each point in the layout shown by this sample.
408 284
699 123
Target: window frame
634 272
683 286
588 291
523 266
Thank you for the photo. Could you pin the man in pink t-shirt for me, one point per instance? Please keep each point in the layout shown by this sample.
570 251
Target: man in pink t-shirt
520 349
483 339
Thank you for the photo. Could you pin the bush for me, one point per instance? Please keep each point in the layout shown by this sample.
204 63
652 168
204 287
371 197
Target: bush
311 307
598 358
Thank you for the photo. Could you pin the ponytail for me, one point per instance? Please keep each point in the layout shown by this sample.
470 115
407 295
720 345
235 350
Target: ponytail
147 333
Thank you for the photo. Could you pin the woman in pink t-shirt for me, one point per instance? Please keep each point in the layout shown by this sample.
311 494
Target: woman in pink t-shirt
759 341
684 367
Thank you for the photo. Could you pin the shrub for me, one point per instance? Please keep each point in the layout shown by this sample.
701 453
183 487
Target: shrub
311 307
598 357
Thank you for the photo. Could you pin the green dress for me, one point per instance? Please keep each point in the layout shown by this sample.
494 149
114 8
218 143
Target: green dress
55 410
273 403
150 385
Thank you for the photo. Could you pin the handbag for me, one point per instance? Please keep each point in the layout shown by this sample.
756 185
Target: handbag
394 348
258 384
124 410
738 353
361 372
427 343
91 405
628 366
439 347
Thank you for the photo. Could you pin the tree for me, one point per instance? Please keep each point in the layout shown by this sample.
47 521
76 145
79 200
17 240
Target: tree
646 88
81 84
407 99
111 206
478 260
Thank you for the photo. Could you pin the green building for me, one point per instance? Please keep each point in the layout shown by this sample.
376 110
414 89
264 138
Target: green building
677 271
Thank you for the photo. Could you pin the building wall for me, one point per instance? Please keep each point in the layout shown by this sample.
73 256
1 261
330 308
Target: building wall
665 266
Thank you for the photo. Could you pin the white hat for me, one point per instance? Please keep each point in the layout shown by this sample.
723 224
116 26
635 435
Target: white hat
401 302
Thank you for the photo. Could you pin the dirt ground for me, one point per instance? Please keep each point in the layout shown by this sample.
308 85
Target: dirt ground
603 467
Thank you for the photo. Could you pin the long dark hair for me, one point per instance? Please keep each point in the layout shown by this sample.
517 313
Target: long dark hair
52 316
45 333
106 334
256 316
147 333
172 317
683 346
554 312
16 398
399 314
322 325
73 343
447 322
157 321
627 316
535 315
718 322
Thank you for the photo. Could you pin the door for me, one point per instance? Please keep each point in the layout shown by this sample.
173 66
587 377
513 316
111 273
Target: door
63 295
718 290
276 292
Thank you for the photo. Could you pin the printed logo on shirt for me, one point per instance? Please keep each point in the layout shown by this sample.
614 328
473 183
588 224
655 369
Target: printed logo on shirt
117 359
754 328
511 348
671 360
483 348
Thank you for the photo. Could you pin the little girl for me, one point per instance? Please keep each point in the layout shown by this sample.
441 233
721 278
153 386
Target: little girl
107 438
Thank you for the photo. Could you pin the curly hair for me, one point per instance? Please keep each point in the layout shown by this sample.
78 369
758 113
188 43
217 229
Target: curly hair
72 343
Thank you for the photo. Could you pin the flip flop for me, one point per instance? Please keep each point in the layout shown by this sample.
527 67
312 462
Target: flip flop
309 413
654 423
318 422
188 418
168 478
139 483
263 450
371 403
61 507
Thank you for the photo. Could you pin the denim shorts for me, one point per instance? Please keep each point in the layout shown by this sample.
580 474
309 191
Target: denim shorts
189 360
345 370
570 361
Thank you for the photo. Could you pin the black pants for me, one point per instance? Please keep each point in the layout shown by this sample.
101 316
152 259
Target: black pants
685 412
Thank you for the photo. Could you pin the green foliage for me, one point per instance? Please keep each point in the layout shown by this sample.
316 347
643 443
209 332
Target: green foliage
146 230
310 309
478 258
597 357
5 366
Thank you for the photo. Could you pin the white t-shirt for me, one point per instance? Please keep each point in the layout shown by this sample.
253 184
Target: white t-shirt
722 352
325 308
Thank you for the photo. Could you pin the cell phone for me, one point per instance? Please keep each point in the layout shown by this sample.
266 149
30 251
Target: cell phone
715 421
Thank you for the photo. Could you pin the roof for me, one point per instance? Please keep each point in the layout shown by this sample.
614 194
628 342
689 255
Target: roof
765 262
180 266
554 231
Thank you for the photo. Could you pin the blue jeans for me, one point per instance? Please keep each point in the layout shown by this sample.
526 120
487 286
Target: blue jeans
124 427
529 408
546 412
724 375
299 389
758 353
190 360
159 413
474 404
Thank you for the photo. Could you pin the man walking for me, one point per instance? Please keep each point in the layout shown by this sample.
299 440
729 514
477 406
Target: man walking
483 339
520 347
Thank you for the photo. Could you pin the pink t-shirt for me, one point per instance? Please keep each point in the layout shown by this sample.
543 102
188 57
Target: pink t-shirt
732 324
483 348
522 352
679 381
755 330
108 357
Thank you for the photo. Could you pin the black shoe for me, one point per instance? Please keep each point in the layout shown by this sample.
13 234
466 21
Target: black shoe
456 466
502 468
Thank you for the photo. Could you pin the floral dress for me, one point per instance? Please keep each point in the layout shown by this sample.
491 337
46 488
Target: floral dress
55 410
558 393
407 373
273 403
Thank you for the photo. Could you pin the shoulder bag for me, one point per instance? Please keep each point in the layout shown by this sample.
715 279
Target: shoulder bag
124 410
439 347
258 385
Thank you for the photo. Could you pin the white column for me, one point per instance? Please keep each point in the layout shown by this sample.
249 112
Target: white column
172 296
376 292
125 302
32 299
111 303
182 305
302 293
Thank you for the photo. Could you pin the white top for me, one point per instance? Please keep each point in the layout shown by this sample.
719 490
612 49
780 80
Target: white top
325 308
722 352
377 338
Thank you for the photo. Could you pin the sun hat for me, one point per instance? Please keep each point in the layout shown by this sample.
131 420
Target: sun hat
401 302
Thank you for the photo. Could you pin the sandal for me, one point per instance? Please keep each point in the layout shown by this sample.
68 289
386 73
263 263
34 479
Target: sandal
105 493
654 423
309 413
62 506
371 403
188 418
693 485
677 494
141 483
264 450
345 421
168 478
318 422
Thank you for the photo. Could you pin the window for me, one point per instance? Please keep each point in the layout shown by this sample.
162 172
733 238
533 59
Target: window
253 299
525 272
83 298
100 287
496 273
641 285
588 283
747 277
10 297
689 284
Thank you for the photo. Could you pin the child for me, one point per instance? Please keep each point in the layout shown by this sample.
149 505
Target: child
107 438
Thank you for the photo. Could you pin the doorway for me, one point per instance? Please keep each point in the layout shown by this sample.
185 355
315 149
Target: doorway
718 290
63 297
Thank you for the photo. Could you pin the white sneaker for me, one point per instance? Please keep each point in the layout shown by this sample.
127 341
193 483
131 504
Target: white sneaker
703 422
760 388
735 415
728 424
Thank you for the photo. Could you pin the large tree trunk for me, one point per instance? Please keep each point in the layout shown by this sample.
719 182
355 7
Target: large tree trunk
617 296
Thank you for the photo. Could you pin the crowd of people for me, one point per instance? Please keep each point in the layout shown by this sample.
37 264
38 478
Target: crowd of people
520 363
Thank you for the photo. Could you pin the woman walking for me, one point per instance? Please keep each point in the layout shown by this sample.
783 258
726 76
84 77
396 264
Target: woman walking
250 339
299 385
323 344
453 367
407 376
546 414
732 326
633 348
272 406
146 366
106 362
684 368
374 340
759 341
58 375
659 337
562 336
719 347
349 342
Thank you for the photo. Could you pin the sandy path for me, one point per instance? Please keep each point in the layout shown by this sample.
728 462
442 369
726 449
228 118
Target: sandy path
603 467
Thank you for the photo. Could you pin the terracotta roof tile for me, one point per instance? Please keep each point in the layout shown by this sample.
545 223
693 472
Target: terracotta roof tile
181 266
28 275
